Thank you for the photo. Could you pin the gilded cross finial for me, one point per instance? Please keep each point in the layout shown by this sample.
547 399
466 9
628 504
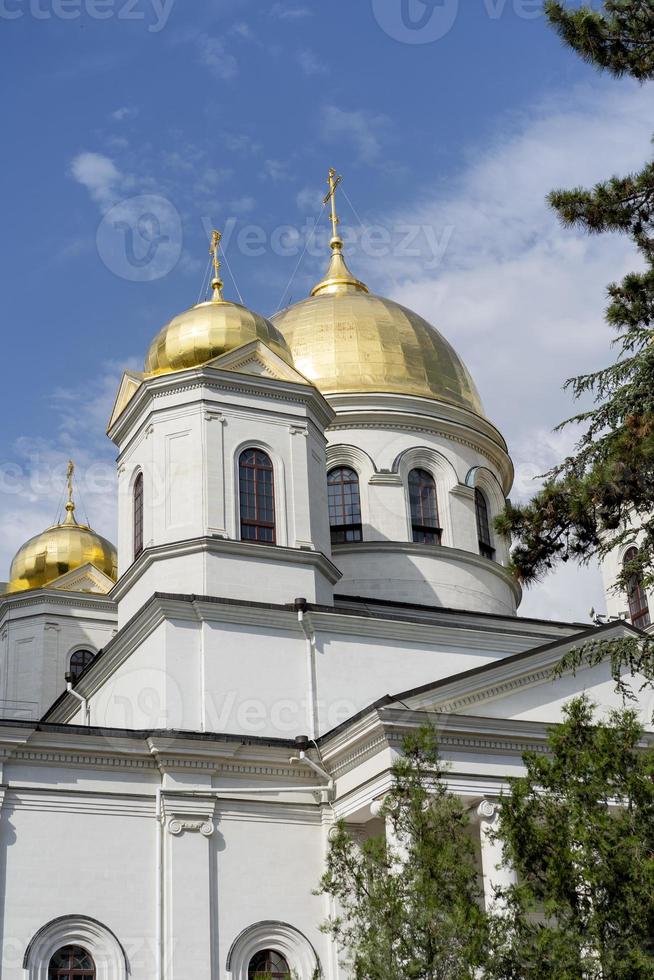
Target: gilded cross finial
334 180
214 249
70 505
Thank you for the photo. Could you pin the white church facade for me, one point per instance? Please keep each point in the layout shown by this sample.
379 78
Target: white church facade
306 569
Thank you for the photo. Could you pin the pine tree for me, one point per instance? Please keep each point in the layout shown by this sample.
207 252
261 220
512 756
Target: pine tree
579 830
415 912
591 501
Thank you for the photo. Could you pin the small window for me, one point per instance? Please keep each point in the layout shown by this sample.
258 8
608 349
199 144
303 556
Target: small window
424 508
638 605
483 526
138 516
344 505
269 965
71 963
79 661
257 497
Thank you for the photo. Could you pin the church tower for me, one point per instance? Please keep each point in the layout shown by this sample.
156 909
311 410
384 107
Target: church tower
222 461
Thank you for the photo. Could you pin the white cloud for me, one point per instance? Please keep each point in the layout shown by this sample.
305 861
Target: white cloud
32 475
310 63
521 297
284 11
242 205
309 200
124 112
215 56
275 170
362 129
241 143
99 174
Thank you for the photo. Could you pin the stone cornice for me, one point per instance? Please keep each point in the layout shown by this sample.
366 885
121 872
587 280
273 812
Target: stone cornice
209 382
52 601
224 546
413 414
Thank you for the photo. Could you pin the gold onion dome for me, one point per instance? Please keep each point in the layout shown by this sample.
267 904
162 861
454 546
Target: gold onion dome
59 549
210 329
343 339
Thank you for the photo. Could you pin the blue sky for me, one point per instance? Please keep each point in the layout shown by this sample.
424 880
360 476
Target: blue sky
229 113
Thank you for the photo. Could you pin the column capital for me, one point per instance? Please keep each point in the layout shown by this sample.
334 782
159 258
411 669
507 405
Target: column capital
486 811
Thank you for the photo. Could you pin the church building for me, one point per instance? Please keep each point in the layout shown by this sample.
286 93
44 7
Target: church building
306 569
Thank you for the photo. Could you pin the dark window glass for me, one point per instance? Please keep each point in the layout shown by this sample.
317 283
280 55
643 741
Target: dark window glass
638 605
344 505
79 661
483 526
71 962
424 508
138 515
257 496
268 964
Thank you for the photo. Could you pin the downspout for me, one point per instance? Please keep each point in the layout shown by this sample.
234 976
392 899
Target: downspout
301 607
158 877
83 701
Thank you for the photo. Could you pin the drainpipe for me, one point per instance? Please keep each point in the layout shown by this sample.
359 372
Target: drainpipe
86 709
301 607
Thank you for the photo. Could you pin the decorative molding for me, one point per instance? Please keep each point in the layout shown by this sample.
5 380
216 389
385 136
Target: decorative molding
177 827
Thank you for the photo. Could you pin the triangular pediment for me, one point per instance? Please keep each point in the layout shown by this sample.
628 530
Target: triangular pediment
86 578
524 687
257 359
129 385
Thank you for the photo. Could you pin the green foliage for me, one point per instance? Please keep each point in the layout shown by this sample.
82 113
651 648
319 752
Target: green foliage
618 40
579 829
416 915
591 500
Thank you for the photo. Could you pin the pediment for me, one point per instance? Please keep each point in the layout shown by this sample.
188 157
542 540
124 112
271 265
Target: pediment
525 688
86 578
257 359
129 385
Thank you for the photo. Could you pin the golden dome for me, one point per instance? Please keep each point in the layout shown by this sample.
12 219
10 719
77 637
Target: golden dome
343 339
60 549
208 330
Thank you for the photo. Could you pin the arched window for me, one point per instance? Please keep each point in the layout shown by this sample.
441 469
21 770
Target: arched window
71 962
79 661
268 964
344 505
138 515
638 605
257 496
424 508
483 526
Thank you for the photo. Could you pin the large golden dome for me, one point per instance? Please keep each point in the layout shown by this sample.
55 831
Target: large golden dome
60 549
208 330
343 339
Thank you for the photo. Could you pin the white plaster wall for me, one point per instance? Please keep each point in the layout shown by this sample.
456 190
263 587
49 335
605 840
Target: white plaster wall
428 574
36 642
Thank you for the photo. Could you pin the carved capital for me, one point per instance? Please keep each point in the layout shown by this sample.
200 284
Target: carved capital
297 430
177 827
487 811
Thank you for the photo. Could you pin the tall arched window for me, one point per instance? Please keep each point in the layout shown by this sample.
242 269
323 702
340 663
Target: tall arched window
268 964
138 515
483 526
344 505
638 605
79 661
257 496
424 508
71 963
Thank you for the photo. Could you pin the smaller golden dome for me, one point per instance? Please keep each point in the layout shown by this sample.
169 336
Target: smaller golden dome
60 549
208 330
